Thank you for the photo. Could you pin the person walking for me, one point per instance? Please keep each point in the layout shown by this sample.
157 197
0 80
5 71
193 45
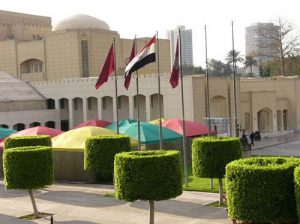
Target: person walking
252 138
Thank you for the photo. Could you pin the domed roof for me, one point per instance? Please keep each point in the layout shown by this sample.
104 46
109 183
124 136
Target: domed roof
81 21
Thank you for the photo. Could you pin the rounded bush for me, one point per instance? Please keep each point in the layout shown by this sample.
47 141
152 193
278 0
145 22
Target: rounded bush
261 190
210 155
21 141
147 175
28 167
100 151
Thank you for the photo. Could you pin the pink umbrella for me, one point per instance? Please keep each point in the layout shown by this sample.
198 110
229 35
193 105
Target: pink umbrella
96 123
38 130
192 128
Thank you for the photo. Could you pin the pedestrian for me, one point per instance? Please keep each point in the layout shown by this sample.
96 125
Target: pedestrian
244 135
252 138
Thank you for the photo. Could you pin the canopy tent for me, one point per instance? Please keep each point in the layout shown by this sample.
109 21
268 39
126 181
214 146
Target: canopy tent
149 133
75 139
4 132
192 128
38 130
123 125
96 123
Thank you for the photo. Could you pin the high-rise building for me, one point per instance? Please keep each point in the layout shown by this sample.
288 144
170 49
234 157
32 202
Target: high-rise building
186 44
261 42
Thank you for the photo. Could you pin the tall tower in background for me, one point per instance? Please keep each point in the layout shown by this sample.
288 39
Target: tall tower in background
261 40
186 45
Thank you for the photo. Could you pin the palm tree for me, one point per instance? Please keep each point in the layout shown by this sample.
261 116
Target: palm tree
250 62
233 56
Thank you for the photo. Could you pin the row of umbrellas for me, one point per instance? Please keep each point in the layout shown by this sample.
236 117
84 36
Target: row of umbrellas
149 132
193 128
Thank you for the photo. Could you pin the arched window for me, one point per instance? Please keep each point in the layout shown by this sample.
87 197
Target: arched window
50 104
50 124
31 66
19 127
34 124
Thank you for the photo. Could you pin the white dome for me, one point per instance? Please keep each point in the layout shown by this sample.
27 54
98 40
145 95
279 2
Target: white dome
81 21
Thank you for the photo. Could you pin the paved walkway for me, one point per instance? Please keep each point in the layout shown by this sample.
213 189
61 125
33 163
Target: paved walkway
271 141
285 145
87 204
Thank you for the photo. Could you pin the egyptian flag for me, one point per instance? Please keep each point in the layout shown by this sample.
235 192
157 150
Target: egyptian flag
146 56
128 75
175 69
107 69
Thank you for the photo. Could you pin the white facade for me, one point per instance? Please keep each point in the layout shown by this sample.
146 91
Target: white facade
186 44
77 100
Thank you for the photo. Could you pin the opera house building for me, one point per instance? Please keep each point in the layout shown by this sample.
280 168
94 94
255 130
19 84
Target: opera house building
48 76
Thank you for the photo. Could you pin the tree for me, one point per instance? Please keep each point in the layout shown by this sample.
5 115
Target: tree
152 175
210 155
233 56
191 70
250 62
284 41
28 168
218 68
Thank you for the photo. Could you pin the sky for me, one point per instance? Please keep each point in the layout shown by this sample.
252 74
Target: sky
144 18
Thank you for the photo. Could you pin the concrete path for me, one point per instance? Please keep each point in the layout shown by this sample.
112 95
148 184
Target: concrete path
274 141
87 204
285 145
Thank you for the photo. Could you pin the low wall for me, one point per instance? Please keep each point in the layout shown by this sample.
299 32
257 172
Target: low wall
68 166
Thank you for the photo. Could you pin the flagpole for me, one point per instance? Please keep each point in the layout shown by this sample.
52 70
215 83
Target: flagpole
234 82
183 116
138 101
116 87
207 85
159 95
207 96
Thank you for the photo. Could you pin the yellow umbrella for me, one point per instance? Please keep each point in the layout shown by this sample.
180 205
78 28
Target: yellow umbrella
75 139
156 121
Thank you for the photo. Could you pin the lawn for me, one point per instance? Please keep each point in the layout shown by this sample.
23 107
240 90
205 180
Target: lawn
200 184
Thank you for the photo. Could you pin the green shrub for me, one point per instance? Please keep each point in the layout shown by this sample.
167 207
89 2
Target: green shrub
21 141
100 151
147 175
297 188
28 167
261 189
210 155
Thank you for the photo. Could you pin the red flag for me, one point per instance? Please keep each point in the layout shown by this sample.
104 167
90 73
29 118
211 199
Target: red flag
128 75
107 69
175 70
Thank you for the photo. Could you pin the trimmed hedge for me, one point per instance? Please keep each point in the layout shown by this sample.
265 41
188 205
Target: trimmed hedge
28 167
100 151
22 141
210 155
297 188
261 190
147 175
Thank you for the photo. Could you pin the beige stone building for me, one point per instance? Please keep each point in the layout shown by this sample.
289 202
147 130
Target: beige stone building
62 65
75 48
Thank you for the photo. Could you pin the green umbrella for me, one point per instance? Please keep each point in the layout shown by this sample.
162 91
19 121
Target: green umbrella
150 133
4 132
123 125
